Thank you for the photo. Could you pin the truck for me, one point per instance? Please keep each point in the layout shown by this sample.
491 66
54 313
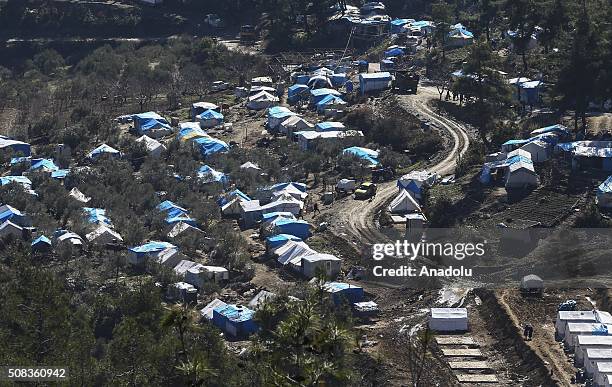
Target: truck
406 81
248 34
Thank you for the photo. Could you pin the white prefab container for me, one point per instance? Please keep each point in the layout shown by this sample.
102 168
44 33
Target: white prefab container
448 319
328 263
372 82
589 342
608 380
602 373
572 316
574 330
595 355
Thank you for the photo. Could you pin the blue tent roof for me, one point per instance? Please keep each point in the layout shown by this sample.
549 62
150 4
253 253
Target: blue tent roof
394 52
234 313
209 174
363 153
329 126
41 240
146 125
210 115
296 89
19 160
399 22
10 213
152 247
209 145
276 241
182 217
606 186
223 200
60 173
516 142
150 120
4 180
187 131
324 91
169 205
330 99
45 164
16 146
558 128
270 216
96 215
298 228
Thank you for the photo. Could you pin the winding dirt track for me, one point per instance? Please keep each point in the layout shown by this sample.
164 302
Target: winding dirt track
357 218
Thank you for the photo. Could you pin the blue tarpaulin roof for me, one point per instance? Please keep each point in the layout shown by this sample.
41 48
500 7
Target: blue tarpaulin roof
323 92
169 205
209 145
10 213
60 173
234 313
15 179
96 215
275 111
558 128
209 174
606 186
366 154
41 240
45 164
191 130
394 52
329 125
210 115
16 146
103 149
296 89
330 99
150 120
275 241
152 247
399 22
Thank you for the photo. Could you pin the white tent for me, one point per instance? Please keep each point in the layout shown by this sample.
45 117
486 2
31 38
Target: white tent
251 167
232 207
521 175
311 263
448 319
181 268
517 152
404 203
289 191
415 181
262 100
294 124
9 228
198 275
170 257
532 282
572 316
595 355
539 151
207 311
292 250
154 147
78 195
182 228
103 235
283 203
586 342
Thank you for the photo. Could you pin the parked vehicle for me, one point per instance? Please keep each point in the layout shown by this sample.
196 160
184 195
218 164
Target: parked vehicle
366 190
345 186
219 86
248 35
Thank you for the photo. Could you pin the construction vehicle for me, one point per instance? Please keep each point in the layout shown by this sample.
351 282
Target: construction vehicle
248 35
406 81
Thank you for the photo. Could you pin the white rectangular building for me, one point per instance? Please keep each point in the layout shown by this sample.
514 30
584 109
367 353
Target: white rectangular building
448 319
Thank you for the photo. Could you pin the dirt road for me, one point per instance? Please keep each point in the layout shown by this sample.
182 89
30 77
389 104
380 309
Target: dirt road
355 220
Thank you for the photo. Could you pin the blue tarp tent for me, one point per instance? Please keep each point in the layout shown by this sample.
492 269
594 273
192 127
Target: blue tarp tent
191 132
97 216
397 24
298 228
343 292
151 247
234 321
182 217
210 175
168 205
149 122
297 92
14 145
209 146
318 94
46 165
606 186
338 79
223 200
24 181
60 174
558 129
272 216
371 156
329 100
328 126
485 173
103 150
394 52
302 79
42 243
275 241
14 215
210 119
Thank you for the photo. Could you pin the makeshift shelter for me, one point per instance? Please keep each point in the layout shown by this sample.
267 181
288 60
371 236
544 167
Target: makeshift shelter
294 124
448 319
262 100
9 229
557 129
16 147
209 175
235 321
276 115
103 150
96 216
294 190
250 213
198 108
416 181
404 203
317 95
539 151
319 82
210 119
180 269
292 251
139 254
103 235
198 275
154 147
8 212
589 342
297 92
329 126
207 311
69 240
314 263
151 124
169 258
60 174
298 228
374 82
603 197
275 241
341 292
521 175
330 102
182 291
250 167
261 298
459 36
209 146
565 317
268 218
532 284
190 131
368 155
394 52
42 244
182 229
397 24
283 203
44 165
